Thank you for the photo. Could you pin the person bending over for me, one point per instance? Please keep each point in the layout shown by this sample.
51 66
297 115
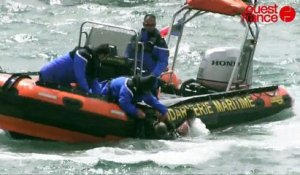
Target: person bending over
79 66
127 92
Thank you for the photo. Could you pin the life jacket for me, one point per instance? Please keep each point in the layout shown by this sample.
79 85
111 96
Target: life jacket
140 86
93 65
134 91
150 40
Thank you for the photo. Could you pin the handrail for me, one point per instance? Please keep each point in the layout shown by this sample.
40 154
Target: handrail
255 37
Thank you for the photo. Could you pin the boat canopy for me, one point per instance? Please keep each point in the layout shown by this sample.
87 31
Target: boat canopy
226 7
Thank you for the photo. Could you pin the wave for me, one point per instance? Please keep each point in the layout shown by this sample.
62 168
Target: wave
118 3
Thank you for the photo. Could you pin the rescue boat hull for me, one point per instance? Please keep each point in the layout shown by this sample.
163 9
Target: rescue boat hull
54 114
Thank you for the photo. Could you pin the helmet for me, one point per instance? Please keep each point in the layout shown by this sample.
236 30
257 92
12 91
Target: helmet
161 130
144 84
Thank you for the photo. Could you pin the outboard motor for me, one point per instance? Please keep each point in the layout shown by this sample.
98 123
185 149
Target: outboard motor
217 65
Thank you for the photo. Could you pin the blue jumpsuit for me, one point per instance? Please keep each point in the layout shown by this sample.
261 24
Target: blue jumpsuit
120 92
65 70
155 60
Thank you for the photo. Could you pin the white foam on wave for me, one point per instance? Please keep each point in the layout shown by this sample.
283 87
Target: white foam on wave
55 2
294 91
27 156
175 153
190 152
11 156
14 7
198 128
286 133
94 8
23 38
167 4
283 135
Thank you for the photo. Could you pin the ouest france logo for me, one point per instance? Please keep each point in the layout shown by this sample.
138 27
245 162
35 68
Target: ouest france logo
269 13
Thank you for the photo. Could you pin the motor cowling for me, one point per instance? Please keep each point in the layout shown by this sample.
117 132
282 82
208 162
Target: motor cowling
217 65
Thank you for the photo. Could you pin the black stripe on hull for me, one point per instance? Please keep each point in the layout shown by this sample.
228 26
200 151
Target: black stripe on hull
237 117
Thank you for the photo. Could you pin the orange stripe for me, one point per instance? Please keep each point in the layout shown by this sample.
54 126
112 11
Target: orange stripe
171 77
49 132
282 91
227 7
28 88
266 96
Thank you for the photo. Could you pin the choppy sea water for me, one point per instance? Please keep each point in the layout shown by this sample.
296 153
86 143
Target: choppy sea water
35 31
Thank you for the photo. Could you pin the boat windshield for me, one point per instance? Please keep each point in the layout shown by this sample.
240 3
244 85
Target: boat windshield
97 34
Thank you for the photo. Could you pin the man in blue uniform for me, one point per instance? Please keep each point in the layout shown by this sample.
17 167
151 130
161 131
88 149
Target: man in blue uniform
78 66
128 91
156 52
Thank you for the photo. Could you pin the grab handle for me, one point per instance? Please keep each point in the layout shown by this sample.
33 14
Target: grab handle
72 103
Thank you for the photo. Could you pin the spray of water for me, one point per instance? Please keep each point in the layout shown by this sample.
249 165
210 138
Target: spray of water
198 128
